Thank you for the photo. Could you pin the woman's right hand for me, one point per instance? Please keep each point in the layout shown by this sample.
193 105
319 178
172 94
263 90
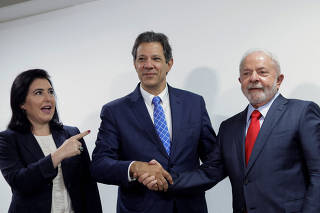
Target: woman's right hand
69 148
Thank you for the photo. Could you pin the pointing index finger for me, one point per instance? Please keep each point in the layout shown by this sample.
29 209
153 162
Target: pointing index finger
81 135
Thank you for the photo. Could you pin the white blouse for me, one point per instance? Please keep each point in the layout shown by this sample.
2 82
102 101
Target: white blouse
61 202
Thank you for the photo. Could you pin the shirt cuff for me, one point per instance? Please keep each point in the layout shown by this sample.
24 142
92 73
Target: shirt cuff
130 179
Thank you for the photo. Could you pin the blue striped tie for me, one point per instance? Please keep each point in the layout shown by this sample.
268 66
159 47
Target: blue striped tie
160 123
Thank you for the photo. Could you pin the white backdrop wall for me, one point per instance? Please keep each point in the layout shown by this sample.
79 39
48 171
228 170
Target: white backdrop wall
86 49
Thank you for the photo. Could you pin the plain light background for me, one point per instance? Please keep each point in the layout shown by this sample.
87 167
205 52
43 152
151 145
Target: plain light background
86 49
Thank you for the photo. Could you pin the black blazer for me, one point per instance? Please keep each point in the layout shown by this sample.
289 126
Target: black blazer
29 173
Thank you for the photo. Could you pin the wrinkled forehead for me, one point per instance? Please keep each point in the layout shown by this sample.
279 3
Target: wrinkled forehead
257 59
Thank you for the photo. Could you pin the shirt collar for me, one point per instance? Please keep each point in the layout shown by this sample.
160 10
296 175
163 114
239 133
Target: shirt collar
147 97
263 109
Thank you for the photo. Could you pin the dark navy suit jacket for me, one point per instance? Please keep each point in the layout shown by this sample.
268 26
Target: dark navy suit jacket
30 173
127 133
283 172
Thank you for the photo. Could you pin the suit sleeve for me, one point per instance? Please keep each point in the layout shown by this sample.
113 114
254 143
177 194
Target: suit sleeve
210 172
26 179
310 142
107 166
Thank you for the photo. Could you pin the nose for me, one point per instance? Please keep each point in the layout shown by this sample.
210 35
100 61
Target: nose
254 77
48 96
148 64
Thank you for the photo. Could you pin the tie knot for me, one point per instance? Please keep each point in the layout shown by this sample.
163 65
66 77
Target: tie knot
156 100
256 114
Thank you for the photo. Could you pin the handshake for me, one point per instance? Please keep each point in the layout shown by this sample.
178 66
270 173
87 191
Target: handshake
151 174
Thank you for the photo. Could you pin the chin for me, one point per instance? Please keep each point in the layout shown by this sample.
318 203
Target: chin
256 99
47 119
149 84
149 81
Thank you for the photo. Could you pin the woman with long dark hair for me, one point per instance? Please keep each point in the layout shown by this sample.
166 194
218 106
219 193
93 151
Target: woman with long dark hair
46 164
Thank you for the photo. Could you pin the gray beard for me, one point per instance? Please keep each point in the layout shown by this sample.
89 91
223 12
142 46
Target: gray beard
262 97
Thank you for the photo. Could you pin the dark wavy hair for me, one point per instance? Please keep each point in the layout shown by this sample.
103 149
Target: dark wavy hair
150 36
19 90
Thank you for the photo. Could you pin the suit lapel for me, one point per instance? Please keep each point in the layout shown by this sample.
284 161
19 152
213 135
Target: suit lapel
176 116
59 137
31 144
141 113
240 137
276 110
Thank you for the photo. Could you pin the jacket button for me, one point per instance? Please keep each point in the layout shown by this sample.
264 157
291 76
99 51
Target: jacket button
246 181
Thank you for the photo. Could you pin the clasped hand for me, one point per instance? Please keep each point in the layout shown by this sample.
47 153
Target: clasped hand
151 174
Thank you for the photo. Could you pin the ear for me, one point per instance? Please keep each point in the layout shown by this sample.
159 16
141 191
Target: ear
279 80
22 107
239 80
170 63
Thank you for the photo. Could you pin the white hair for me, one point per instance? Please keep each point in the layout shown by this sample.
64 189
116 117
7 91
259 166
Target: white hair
268 53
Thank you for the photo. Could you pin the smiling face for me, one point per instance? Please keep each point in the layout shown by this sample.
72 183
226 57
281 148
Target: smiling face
260 80
151 67
40 103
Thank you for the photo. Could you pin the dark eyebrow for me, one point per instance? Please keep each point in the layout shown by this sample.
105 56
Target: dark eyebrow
38 89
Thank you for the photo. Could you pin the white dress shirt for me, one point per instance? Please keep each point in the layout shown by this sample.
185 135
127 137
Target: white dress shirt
165 103
263 110
61 202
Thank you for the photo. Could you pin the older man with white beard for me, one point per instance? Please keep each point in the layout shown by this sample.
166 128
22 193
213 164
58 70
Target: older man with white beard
271 150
